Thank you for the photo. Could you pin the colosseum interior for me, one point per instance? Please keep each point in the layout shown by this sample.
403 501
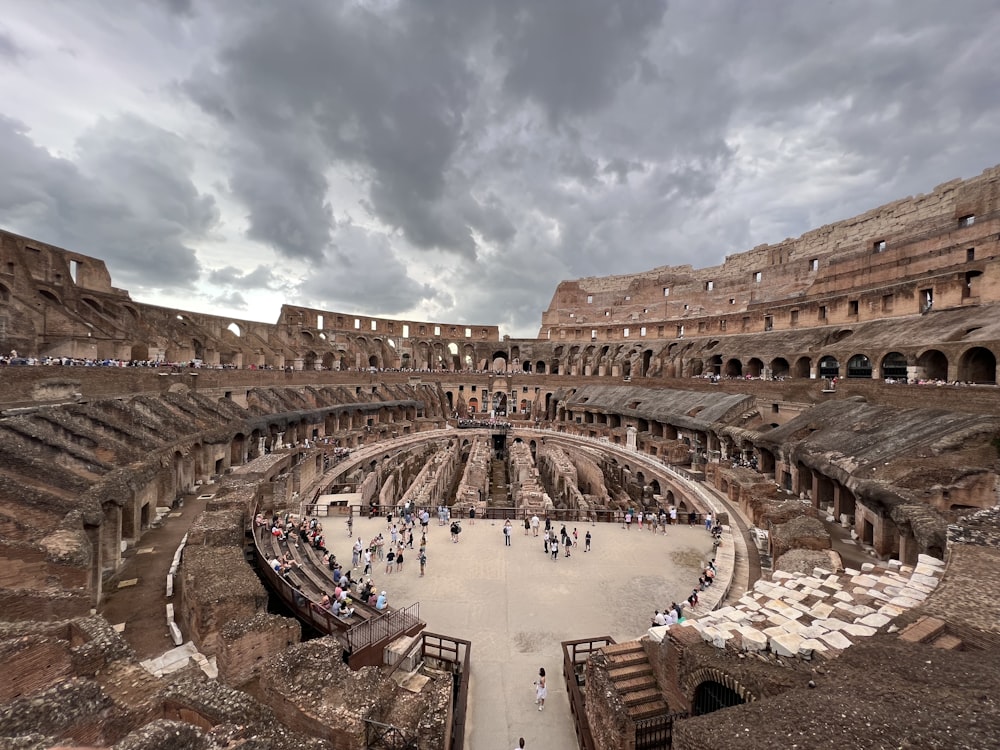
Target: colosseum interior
832 397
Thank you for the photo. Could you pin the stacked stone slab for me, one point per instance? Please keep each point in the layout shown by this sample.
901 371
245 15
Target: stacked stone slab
805 616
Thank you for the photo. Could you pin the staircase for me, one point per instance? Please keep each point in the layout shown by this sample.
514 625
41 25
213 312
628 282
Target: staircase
632 676
498 484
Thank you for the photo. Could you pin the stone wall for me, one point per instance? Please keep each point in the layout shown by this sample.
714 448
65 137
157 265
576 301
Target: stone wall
216 587
244 645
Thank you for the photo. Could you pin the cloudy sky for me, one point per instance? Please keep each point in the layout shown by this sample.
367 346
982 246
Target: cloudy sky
453 160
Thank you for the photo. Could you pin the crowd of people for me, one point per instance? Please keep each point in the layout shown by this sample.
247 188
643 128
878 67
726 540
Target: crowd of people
494 424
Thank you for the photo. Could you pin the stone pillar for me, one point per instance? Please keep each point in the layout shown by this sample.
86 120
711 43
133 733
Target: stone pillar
630 438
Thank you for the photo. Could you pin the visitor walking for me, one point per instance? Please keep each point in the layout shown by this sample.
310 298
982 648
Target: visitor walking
540 690
586 542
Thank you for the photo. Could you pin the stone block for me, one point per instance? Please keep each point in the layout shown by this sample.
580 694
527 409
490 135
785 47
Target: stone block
722 637
928 560
821 611
810 647
813 631
175 634
874 620
776 620
753 640
904 601
832 623
895 564
657 633
843 596
890 610
821 572
835 639
867 567
773 631
859 631
786 644
170 585
865 581
923 580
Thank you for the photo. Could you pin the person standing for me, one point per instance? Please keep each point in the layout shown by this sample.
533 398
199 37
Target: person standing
534 525
423 562
586 542
554 547
540 690
507 529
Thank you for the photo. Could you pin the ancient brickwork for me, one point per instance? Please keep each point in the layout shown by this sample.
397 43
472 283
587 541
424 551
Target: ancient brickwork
244 645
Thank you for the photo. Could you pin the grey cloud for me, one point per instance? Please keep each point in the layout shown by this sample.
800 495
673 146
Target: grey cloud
262 277
231 300
571 56
127 200
9 49
363 274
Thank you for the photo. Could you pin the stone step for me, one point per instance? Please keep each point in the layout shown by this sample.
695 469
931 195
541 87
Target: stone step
630 672
948 642
623 648
636 685
923 630
647 710
642 696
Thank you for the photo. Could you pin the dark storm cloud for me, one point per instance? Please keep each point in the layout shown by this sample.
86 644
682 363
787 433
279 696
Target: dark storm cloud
570 56
127 199
361 273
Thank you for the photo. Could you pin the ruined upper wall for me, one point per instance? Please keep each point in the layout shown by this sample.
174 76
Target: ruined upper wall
909 239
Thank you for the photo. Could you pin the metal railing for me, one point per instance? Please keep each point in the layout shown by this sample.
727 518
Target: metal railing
575 656
385 627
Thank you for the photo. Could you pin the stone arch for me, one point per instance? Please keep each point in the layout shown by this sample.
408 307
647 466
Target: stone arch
734 368
309 361
859 366
715 365
754 367
4 293
829 367
933 365
540 367
499 361
803 368
893 366
139 353
706 676
696 367
328 361
978 365
779 367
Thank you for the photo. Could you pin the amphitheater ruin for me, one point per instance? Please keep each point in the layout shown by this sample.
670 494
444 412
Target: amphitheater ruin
831 399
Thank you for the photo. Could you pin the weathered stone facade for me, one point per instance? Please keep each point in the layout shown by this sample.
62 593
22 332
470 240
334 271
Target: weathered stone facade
763 376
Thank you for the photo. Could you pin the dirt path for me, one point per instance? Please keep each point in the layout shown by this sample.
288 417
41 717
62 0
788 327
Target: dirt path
141 607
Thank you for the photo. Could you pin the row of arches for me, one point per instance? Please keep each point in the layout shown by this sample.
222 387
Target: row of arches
975 365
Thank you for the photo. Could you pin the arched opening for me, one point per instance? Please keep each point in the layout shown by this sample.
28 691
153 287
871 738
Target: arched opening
859 366
710 696
235 329
779 367
754 367
647 357
139 353
696 367
715 365
829 367
734 368
526 366
328 360
4 294
540 367
803 368
473 404
978 365
309 361
894 367
373 361
499 362
932 365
